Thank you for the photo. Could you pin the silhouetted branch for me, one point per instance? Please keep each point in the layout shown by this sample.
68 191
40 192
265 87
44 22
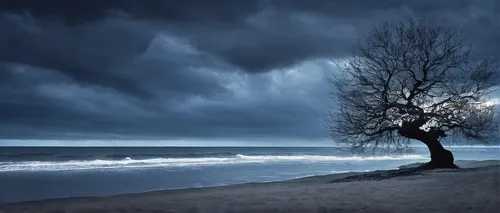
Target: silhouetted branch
411 75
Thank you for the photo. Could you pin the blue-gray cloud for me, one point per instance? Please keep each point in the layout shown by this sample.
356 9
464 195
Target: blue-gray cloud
170 69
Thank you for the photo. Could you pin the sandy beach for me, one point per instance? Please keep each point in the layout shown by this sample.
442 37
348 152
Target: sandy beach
473 188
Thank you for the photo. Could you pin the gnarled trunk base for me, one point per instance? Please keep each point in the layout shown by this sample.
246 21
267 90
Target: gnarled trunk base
440 157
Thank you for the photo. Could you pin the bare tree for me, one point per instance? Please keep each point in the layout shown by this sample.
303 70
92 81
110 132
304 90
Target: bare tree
413 80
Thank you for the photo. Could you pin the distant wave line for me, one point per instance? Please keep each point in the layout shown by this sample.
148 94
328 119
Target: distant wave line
128 162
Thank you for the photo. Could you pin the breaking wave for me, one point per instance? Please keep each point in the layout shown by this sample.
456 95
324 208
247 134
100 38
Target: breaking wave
128 162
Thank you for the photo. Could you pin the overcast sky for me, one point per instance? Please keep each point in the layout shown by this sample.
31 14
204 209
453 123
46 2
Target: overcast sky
218 71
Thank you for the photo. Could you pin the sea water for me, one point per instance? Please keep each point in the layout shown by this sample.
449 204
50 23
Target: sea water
36 173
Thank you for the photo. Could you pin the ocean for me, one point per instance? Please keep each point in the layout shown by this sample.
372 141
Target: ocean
37 173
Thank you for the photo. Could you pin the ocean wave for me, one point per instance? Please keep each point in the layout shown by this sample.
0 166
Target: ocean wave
326 157
166 155
128 162
79 156
35 154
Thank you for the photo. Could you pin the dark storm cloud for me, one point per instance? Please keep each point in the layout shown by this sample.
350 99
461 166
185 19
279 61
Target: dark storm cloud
289 31
85 54
286 39
82 11
191 68
93 54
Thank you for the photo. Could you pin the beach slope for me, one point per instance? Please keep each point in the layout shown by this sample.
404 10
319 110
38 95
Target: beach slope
474 188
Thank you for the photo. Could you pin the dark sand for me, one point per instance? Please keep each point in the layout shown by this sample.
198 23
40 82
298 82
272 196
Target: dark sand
475 188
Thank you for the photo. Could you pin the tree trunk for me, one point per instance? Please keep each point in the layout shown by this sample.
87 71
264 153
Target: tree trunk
440 157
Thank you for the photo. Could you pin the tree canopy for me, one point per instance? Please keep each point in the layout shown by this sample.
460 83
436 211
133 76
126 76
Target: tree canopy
408 79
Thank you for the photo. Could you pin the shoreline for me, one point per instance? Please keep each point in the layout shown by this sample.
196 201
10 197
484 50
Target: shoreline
476 188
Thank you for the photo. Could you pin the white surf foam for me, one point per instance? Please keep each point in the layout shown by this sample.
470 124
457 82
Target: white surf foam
183 162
